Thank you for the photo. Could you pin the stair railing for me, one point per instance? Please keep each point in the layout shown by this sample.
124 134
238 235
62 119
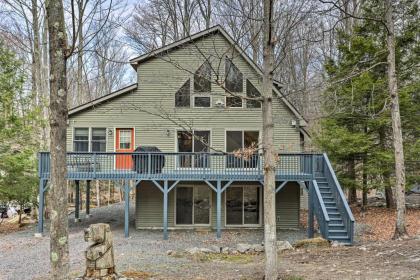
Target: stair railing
339 197
320 211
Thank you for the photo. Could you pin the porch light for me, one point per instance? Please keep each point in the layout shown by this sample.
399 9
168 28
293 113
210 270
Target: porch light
109 131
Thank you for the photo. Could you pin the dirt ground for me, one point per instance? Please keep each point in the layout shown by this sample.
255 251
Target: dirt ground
144 254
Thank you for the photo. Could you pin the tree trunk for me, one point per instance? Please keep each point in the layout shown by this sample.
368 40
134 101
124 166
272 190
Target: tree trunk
400 229
365 191
80 98
389 196
98 194
270 239
59 247
352 195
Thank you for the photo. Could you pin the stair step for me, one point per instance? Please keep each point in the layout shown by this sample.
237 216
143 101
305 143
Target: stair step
331 208
336 226
328 199
322 183
335 237
337 231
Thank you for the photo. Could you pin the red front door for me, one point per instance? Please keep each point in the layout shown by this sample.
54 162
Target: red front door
124 143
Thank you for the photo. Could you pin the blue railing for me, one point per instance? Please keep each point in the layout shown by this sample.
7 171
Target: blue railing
338 196
320 210
178 166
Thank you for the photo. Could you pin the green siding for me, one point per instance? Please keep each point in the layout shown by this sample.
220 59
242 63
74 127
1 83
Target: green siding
149 206
158 80
287 206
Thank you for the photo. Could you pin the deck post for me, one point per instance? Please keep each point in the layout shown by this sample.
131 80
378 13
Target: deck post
126 209
311 211
41 207
165 210
77 202
87 198
219 209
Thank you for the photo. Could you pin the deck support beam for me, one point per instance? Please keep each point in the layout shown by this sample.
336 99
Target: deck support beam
88 199
311 211
126 209
77 202
219 209
281 186
165 209
40 228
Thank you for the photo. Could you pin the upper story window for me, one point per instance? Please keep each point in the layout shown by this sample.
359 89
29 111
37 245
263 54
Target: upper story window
252 92
197 141
239 140
202 79
98 142
89 140
81 139
233 77
234 84
182 96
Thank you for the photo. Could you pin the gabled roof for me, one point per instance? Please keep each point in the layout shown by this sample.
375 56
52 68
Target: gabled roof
212 30
102 99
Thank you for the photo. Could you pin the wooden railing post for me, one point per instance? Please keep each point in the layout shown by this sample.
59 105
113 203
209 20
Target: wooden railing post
311 211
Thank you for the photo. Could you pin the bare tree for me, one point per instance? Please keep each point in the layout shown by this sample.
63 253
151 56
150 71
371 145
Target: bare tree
58 51
400 228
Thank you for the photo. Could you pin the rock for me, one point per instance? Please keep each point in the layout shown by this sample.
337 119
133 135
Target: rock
243 247
337 244
363 248
216 249
193 250
283 246
225 250
258 248
312 243
206 250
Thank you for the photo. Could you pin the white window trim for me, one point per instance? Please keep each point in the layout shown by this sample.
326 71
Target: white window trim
235 108
243 142
243 212
193 96
176 146
90 128
210 209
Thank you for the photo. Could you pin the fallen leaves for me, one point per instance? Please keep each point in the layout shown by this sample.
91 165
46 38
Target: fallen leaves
381 222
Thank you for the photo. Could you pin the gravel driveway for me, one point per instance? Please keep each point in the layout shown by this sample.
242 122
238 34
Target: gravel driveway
25 257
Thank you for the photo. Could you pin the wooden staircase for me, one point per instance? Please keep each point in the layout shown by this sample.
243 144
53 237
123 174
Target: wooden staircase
333 214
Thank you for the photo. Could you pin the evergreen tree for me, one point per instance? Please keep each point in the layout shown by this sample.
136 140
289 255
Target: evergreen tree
17 149
357 131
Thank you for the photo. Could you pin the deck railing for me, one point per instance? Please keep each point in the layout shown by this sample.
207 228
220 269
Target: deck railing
338 196
176 166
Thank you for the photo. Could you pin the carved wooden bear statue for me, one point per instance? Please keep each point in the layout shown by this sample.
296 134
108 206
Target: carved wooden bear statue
99 255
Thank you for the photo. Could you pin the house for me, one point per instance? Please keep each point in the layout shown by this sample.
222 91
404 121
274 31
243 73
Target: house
187 103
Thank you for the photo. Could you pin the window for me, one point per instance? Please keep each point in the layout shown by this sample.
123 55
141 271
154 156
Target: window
192 205
125 139
238 140
81 140
182 96
243 205
233 77
202 101
233 102
98 142
197 142
252 92
202 78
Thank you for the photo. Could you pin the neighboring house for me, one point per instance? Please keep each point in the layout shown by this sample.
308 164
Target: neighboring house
181 105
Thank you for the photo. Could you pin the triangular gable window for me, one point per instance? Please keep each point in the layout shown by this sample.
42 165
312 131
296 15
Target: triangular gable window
252 92
233 77
182 96
202 78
